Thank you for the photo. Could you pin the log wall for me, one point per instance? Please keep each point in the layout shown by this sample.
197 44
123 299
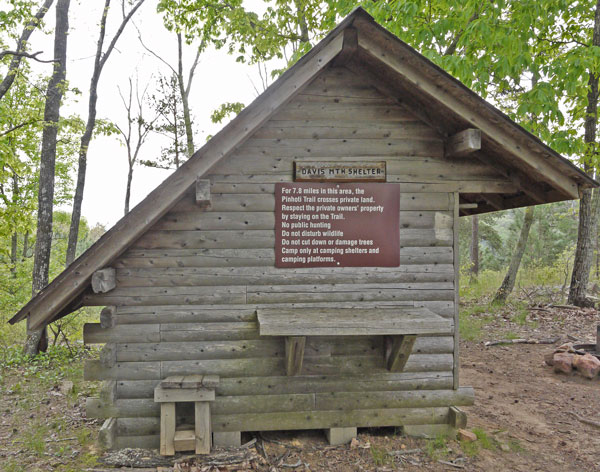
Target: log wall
187 291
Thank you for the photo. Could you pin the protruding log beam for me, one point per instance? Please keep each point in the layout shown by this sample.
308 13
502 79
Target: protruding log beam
349 47
108 355
398 349
203 192
107 317
107 434
294 354
463 143
104 280
457 417
467 206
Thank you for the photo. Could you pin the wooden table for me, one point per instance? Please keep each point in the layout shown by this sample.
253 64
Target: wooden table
400 327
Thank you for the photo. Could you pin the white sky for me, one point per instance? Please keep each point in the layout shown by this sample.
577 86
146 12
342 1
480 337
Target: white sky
218 79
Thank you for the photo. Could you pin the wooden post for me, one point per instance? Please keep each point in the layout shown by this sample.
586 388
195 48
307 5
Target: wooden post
202 427
294 354
104 280
337 436
167 429
399 351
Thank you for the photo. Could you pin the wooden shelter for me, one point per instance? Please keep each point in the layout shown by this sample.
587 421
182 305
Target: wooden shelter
207 277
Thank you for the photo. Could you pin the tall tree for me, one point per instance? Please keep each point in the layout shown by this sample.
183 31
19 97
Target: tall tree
588 210
508 284
99 62
38 339
21 50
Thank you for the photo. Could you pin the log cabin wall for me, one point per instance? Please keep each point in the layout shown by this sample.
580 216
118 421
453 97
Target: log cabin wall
188 290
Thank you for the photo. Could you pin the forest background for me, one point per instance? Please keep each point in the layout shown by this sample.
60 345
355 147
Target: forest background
142 68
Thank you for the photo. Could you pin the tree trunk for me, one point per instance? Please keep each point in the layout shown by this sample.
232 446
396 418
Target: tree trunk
38 340
128 190
14 246
86 138
184 98
9 78
25 246
583 253
475 245
508 284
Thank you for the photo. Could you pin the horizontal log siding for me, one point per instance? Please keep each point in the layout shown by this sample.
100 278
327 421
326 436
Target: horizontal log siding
188 290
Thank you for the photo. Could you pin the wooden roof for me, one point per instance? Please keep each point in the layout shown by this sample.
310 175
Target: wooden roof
540 174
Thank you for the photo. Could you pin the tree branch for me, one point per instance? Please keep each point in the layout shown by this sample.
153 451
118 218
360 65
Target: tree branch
19 126
16 60
33 56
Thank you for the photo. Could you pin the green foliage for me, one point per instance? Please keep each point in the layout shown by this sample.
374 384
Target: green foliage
472 320
225 110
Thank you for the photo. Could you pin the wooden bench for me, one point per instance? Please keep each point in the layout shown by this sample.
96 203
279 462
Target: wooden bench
199 389
399 325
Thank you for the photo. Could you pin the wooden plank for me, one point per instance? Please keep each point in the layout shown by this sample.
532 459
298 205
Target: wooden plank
94 370
265 183
181 277
172 381
184 440
253 202
367 381
332 322
328 419
162 395
167 429
72 282
172 258
202 427
464 396
158 295
398 352
93 333
192 381
463 143
208 221
294 354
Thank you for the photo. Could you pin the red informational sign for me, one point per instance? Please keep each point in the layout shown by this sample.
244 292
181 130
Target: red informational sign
337 225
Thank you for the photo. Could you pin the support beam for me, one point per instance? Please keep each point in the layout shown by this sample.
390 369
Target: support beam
463 143
203 192
337 436
398 349
104 280
107 434
203 438
349 48
294 354
495 201
467 206
457 418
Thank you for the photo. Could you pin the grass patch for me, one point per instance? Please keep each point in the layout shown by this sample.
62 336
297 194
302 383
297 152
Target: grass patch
472 320
484 440
34 440
380 456
437 448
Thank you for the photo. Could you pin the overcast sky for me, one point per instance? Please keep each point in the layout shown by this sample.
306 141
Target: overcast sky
218 79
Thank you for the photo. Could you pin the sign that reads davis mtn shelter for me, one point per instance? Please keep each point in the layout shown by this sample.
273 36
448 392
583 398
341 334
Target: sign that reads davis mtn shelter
339 172
337 225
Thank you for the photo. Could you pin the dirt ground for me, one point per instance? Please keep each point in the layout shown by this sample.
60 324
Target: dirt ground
527 418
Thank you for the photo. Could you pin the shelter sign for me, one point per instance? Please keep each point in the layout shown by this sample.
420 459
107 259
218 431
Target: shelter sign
337 225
